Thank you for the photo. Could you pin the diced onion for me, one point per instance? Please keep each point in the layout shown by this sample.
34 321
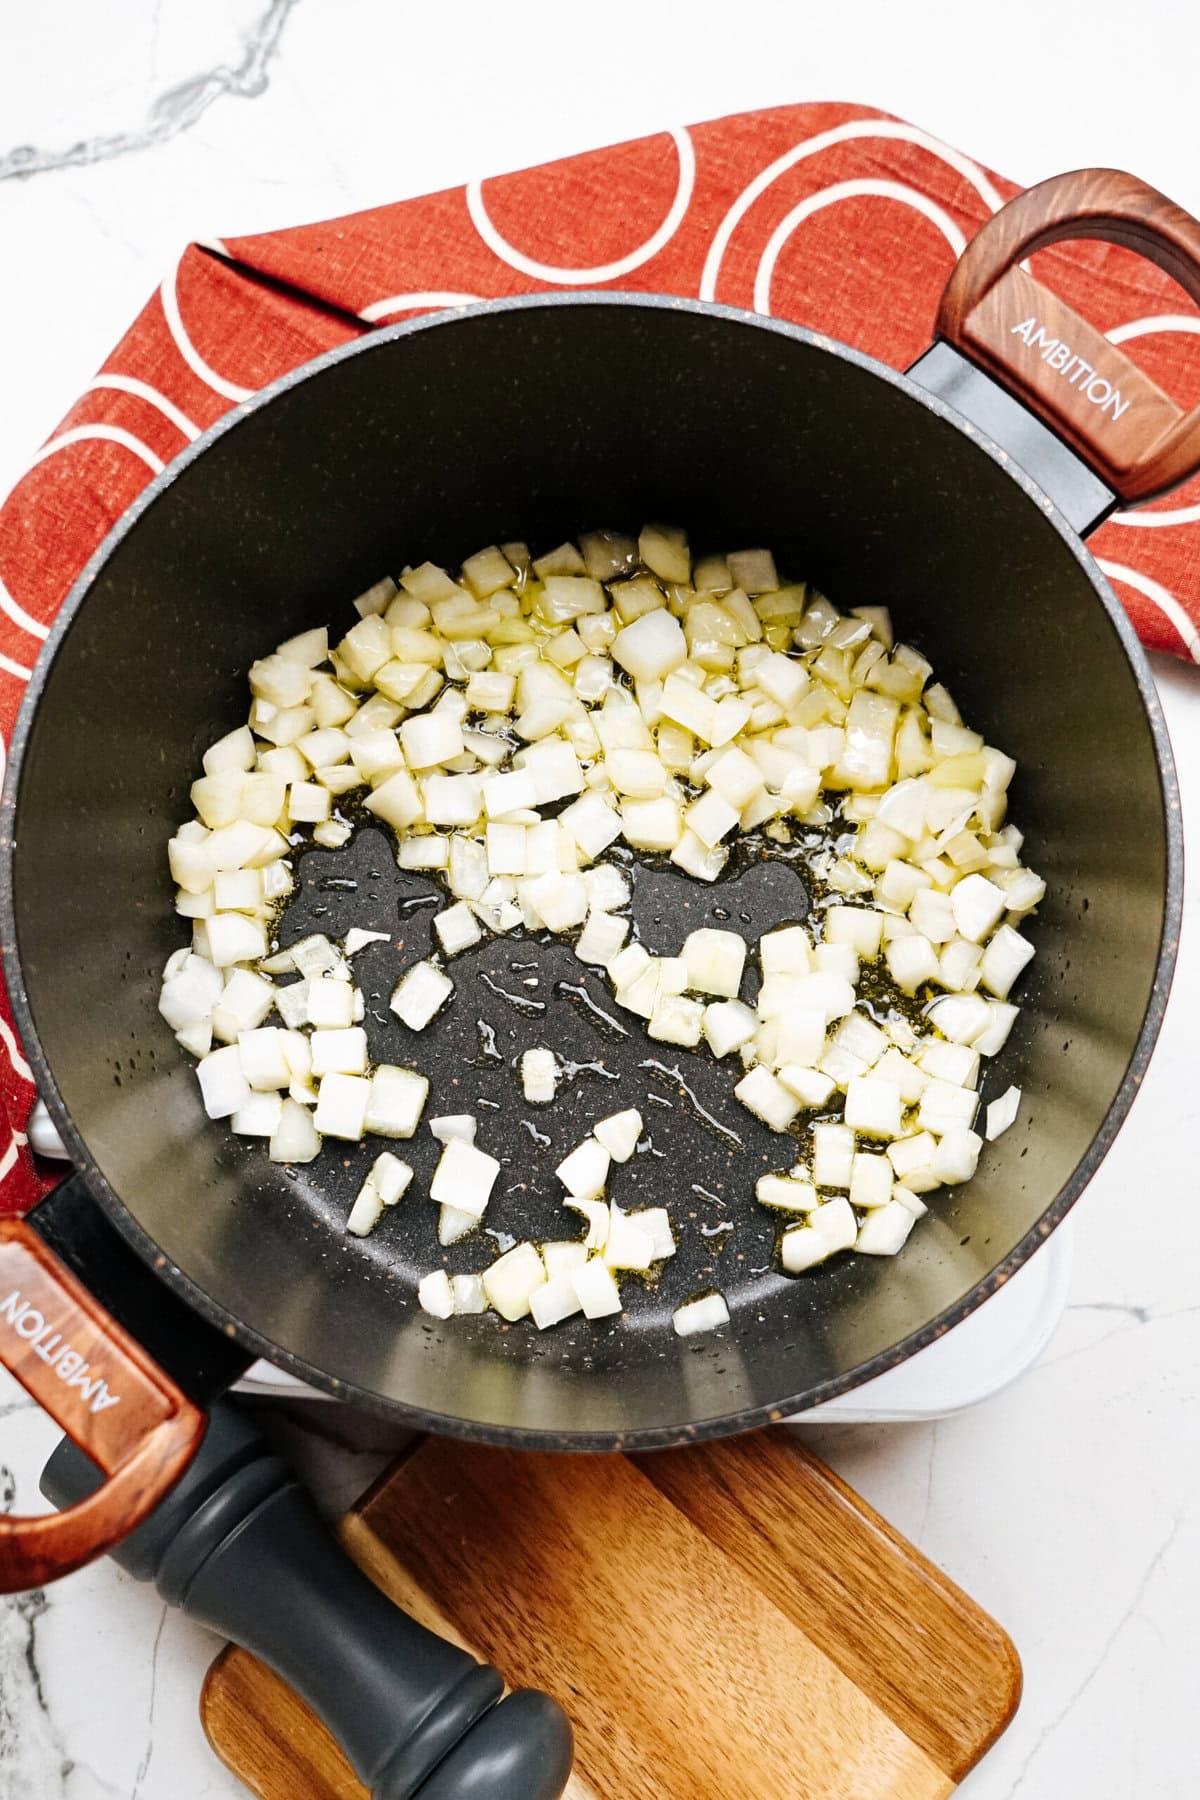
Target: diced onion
464 1177
595 1289
709 1313
512 1280
619 1134
1002 1112
435 1296
672 705
584 1172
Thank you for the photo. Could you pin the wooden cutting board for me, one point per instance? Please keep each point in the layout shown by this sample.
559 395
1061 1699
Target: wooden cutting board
729 1620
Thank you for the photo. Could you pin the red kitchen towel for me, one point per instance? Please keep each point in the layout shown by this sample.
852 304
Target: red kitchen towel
831 215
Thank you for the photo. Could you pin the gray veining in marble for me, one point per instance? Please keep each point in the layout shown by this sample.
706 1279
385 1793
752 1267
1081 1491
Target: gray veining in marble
33 1763
170 113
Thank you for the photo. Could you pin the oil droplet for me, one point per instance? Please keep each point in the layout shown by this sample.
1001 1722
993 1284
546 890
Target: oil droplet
581 994
701 1112
522 1002
572 1069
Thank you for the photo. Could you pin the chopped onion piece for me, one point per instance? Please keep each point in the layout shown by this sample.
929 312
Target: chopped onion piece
457 928
728 1025
554 1301
835 1222
454 1223
595 1289
715 960
367 1210
803 1247
419 994
396 1101
195 1039
871 1180
597 1215
651 824
944 1106
884 1232
232 938
811 1087
696 860
628 1246
512 1280
454 1125
330 1004
315 956
342 1106
223 1085
435 1296
676 1020
1003 960
957 1155
912 1161
193 988
259 1117
339 1052
539 1076
911 962
993 1040
468 1294
873 1107
619 1133
601 938
593 823
464 1178
955 1063
783 1193
1002 1112
585 1171
390 1177
833 1155
961 1017
708 1313
767 1098
559 1257
560 901
428 739
264 1062
295 1138
978 905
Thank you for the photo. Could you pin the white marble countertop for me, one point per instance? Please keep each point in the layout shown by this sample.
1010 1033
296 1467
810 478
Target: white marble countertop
1066 1505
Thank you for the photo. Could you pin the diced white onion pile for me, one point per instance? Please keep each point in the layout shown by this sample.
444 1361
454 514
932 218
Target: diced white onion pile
671 705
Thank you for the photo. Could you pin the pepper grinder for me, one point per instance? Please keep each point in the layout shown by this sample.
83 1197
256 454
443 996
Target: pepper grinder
238 1546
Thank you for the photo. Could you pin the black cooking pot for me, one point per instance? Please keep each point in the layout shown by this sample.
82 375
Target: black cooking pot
959 498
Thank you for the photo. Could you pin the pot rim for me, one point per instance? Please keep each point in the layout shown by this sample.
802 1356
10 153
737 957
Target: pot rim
650 1437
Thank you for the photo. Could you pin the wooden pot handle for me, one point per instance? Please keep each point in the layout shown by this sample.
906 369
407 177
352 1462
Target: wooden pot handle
108 1396
1131 433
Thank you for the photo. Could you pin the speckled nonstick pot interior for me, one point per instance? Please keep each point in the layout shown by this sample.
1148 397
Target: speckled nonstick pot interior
538 419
